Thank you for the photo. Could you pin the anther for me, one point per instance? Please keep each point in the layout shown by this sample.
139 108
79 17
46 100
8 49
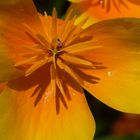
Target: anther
59 44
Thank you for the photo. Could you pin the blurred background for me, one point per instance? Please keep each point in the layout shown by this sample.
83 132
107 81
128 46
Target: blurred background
111 124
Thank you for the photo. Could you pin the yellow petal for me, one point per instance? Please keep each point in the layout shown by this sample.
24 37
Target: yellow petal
89 22
118 75
51 118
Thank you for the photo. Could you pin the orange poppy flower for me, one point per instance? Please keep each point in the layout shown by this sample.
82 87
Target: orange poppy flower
106 9
45 64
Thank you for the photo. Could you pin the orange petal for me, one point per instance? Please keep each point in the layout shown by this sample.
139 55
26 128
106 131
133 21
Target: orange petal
117 74
33 112
13 15
2 87
111 8
7 69
19 12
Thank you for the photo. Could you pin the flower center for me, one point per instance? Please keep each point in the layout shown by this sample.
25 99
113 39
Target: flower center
56 47
48 49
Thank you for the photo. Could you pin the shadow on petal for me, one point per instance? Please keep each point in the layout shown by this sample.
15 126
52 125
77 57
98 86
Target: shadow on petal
60 98
35 79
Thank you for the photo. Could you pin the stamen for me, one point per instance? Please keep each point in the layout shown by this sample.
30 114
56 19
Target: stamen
53 79
32 34
54 60
69 71
45 14
76 32
34 48
54 23
36 65
76 60
59 85
81 47
44 41
68 28
27 54
59 44
48 30
69 15
27 61
37 38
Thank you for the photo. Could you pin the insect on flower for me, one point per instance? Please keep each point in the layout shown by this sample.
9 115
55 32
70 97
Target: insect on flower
46 63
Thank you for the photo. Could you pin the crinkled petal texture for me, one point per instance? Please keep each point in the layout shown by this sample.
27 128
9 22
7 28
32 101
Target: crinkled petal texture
29 111
106 9
117 73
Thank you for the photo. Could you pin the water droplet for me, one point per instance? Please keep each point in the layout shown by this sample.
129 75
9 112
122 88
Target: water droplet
46 97
109 73
101 2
